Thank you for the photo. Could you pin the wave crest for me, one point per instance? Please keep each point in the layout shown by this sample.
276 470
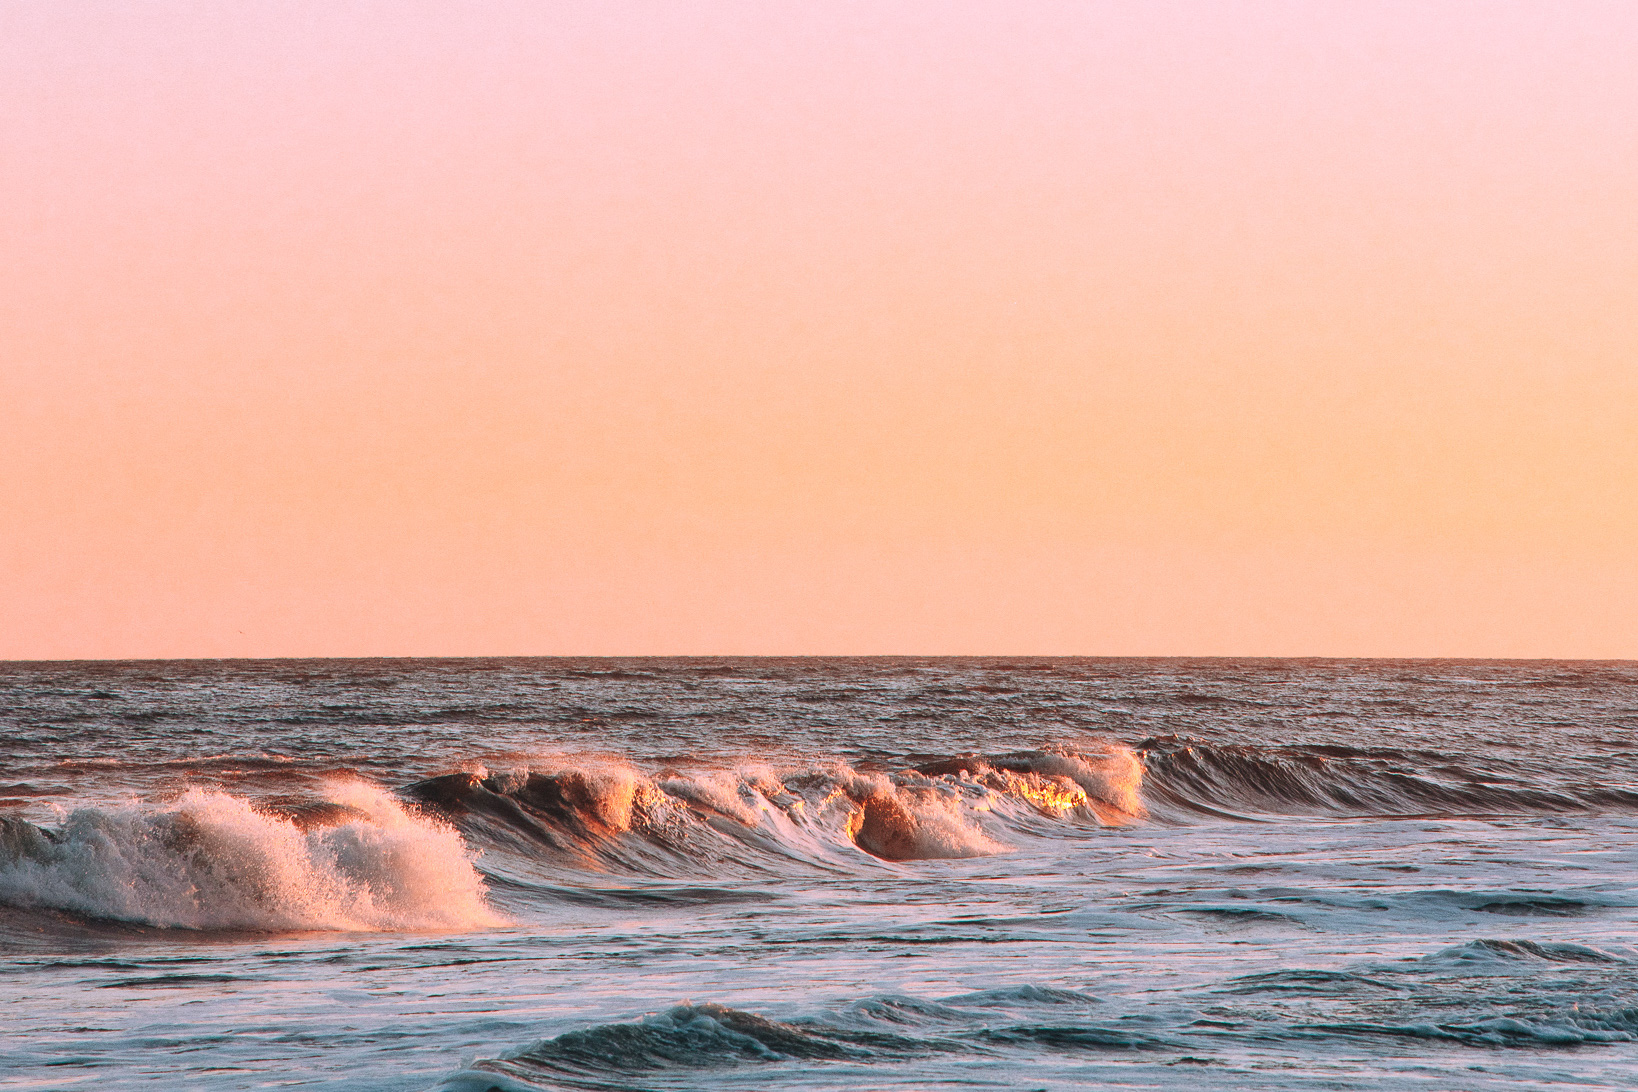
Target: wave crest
602 814
214 861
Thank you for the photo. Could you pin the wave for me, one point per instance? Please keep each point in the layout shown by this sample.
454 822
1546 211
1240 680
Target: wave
692 1036
1189 776
983 1037
706 1036
603 813
1505 954
208 860
689 1038
356 857
1615 1026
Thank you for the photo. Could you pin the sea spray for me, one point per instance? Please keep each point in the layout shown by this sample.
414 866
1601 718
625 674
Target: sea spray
212 860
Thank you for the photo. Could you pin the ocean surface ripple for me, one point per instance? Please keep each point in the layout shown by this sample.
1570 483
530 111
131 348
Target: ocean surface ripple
819 874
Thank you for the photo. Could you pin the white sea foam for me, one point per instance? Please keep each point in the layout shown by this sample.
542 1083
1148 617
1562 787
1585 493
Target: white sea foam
209 860
899 822
1112 775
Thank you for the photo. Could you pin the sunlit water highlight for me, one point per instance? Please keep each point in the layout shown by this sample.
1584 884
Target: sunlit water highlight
818 874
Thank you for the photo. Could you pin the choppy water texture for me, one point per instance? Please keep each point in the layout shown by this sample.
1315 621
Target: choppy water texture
819 874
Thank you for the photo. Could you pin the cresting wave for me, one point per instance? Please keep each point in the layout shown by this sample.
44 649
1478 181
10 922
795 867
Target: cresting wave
357 857
604 814
360 858
357 860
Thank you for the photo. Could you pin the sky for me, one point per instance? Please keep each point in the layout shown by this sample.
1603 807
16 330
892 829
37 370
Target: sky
1241 329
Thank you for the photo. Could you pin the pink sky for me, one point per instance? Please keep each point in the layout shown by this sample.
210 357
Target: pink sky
1217 329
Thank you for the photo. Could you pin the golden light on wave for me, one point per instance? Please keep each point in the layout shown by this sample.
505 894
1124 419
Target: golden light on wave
1051 795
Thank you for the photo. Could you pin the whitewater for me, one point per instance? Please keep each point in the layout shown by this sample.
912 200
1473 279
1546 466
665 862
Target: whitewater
523 874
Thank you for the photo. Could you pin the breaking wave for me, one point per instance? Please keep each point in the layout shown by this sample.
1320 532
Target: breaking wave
604 814
208 860
357 857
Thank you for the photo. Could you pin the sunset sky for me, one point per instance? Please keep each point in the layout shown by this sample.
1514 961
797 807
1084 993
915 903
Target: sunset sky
990 328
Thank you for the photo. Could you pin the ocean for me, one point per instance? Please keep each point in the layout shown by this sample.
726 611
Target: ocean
883 873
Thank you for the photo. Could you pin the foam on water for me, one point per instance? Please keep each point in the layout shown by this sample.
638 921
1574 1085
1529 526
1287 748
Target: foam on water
212 860
911 823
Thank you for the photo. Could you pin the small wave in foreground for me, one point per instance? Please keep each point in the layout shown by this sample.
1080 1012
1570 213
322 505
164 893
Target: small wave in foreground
882 1041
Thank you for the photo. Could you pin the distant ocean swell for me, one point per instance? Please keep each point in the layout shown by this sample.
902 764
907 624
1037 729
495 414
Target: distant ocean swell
356 857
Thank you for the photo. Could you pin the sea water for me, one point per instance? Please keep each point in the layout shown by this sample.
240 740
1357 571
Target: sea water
819 874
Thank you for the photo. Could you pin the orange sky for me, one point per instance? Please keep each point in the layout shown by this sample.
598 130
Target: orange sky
1144 328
